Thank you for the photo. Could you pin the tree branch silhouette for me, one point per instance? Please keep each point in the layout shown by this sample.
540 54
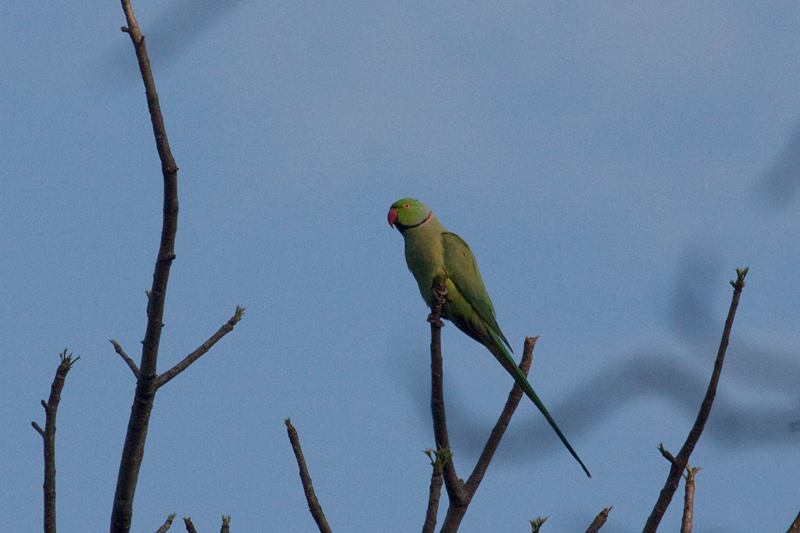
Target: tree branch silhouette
305 478
678 465
147 379
49 439
164 528
459 493
599 520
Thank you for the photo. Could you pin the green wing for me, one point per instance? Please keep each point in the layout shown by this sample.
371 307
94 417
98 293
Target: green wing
463 271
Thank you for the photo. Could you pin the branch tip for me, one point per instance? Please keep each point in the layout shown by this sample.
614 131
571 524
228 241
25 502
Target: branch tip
536 523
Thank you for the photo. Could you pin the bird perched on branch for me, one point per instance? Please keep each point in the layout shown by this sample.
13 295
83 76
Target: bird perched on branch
437 257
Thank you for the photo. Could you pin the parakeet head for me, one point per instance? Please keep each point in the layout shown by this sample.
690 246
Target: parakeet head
408 213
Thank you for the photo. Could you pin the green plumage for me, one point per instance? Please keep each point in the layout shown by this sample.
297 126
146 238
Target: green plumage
433 253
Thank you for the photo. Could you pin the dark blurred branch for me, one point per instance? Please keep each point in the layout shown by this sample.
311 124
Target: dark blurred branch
305 478
128 360
688 500
49 437
195 355
598 522
226 524
167 524
682 459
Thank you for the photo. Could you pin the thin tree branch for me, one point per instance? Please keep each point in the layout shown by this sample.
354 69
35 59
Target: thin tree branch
133 449
438 459
189 526
598 522
459 493
195 355
167 524
795 527
49 440
457 510
226 522
305 478
454 486
128 360
668 456
682 459
688 499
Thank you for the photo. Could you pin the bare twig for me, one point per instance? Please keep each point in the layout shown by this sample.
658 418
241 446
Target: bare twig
133 449
795 527
688 500
189 526
167 524
195 355
682 459
48 435
226 523
598 522
305 478
668 456
128 360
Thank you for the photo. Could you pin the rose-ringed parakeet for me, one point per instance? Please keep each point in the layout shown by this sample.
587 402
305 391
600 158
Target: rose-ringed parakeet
436 256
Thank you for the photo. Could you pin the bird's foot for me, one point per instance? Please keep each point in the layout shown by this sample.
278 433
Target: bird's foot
433 318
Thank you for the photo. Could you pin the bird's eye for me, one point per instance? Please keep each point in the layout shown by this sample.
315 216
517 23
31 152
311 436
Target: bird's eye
406 206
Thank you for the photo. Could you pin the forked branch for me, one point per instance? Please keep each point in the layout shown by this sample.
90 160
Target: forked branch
459 493
678 465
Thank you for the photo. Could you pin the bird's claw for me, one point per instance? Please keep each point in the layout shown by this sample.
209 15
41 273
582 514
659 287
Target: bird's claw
434 319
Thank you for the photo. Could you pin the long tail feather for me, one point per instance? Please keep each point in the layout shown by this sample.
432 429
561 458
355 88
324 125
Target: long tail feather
502 355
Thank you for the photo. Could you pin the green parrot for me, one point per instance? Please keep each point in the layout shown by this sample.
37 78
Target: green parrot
433 253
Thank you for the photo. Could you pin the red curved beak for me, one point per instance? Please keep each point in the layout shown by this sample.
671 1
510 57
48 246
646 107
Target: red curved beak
392 216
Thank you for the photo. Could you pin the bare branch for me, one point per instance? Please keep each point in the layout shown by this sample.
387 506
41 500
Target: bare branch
438 460
226 521
38 429
167 524
676 470
195 355
668 456
459 493
305 478
49 439
133 449
189 526
128 360
795 527
688 500
598 522
454 486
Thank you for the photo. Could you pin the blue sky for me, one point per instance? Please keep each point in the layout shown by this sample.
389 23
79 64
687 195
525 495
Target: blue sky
609 164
